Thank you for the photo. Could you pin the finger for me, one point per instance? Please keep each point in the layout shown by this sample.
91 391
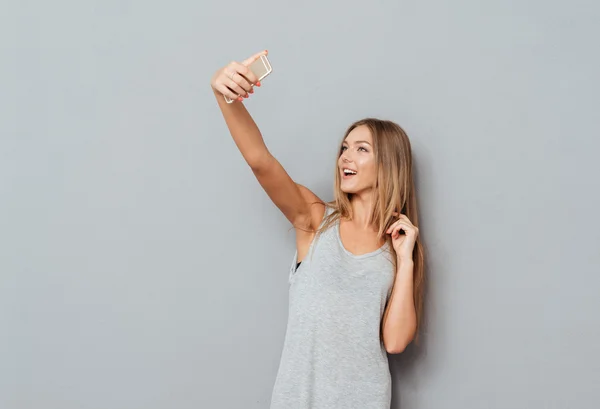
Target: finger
232 85
397 232
236 72
255 57
389 230
242 82
400 226
406 220
410 229
245 72
232 79
227 92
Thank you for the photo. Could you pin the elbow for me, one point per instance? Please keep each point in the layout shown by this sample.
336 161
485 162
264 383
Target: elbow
396 348
399 345
258 162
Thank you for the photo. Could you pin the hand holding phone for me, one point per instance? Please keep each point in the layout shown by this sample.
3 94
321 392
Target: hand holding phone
236 80
261 68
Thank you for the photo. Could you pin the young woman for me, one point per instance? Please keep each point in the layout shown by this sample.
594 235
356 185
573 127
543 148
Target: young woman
356 281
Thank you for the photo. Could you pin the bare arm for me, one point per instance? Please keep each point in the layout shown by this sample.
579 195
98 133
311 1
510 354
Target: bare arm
399 319
289 197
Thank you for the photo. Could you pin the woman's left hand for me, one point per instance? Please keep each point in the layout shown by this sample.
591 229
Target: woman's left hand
403 243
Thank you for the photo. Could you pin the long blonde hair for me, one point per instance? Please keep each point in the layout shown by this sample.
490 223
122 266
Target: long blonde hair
395 193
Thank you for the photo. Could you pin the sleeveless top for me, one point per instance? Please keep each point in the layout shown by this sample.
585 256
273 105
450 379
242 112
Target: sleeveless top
333 356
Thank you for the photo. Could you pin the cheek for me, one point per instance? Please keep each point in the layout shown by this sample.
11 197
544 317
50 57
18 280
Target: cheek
368 167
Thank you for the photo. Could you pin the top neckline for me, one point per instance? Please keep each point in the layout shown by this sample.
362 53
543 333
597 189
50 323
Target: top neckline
338 235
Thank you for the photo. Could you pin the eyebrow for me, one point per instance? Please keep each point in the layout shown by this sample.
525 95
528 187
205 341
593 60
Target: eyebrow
355 142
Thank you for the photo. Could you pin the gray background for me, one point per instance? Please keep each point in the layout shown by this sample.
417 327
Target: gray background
142 266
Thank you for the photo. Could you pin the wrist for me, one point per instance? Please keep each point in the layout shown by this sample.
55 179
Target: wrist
403 262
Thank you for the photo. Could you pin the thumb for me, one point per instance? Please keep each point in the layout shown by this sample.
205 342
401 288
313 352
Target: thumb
255 57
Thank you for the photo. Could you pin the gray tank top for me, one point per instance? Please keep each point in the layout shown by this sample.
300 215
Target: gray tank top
333 356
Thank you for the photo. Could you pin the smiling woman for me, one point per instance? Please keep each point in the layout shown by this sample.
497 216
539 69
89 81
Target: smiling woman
357 155
355 281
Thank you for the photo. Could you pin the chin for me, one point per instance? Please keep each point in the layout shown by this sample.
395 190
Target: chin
350 189
354 189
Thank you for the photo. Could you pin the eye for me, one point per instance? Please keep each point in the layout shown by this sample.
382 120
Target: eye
344 148
363 148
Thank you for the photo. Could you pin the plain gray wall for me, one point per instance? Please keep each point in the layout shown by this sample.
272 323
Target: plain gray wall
142 266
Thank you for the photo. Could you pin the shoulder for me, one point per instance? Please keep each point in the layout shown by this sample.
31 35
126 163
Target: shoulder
316 209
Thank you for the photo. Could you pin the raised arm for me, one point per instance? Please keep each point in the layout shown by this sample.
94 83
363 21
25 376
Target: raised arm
236 81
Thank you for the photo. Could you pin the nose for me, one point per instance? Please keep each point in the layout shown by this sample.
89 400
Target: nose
345 156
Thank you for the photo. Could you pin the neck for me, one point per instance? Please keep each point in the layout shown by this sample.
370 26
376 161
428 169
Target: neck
362 207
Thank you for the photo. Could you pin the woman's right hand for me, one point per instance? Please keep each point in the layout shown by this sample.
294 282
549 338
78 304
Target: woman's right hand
236 80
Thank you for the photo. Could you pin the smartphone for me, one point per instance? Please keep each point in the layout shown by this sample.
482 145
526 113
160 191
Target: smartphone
261 68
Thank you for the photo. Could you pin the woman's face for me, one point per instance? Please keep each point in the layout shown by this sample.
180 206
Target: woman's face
356 164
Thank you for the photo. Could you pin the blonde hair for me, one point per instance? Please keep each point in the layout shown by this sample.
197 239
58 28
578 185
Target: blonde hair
395 192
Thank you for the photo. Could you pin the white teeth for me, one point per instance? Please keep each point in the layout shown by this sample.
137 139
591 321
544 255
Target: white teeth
349 172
